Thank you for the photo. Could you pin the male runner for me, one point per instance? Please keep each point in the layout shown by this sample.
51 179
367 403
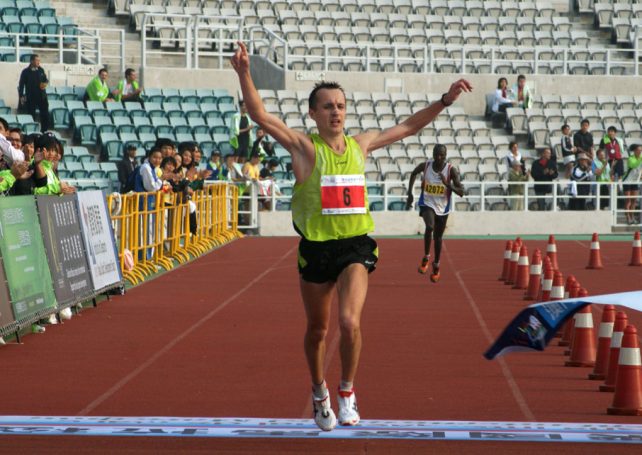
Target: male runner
439 180
330 212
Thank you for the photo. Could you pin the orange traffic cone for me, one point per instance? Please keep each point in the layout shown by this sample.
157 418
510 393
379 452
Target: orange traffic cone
636 251
567 331
603 343
595 258
583 351
567 287
514 258
627 399
557 290
521 279
506 265
535 276
547 282
551 251
621 321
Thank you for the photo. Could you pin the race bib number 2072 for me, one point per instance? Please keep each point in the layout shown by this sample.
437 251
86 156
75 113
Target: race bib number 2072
343 194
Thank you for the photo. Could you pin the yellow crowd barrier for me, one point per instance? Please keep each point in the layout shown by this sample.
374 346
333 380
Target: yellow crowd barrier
153 230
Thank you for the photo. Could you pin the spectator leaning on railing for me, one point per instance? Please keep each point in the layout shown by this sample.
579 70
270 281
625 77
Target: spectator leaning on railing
568 149
579 188
614 148
602 171
632 183
544 170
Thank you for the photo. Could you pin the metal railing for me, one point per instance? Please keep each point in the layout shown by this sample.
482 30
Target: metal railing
483 196
197 37
96 46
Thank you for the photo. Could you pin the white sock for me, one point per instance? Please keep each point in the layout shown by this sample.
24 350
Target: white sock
320 391
345 386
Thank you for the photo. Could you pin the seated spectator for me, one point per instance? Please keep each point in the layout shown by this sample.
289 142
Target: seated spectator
514 155
602 171
568 150
97 89
580 176
614 148
231 171
502 100
28 142
544 170
27 183
9 177
128 89
268 186
8 153
262 146
251 169
166 146
126 167
583 140
516 174
214 165
632 183
521 93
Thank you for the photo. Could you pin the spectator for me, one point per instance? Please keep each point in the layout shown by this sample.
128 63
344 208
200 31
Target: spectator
267 183
516 174
97 89
241 133
126 168
214 165
231 170
614 148
197 155
128 89
15 138
147 179
9 177
268 169
502 100
261 145
166 147
28 142
632 183
602 171
544 170
514 155
568 150
522 93
583 140
32 91
48 147
8 153
580 190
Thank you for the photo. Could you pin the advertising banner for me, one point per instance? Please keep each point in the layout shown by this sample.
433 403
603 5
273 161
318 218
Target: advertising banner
99 239
65 247
24 258
6 313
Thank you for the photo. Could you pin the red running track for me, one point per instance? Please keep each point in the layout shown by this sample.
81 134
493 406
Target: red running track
222 336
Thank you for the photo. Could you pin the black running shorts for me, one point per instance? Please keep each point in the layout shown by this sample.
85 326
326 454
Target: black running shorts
321 262
432 220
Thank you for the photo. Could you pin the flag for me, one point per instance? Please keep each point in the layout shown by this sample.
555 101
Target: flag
534 327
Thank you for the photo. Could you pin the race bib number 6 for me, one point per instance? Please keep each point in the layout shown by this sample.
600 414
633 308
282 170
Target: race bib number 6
343 194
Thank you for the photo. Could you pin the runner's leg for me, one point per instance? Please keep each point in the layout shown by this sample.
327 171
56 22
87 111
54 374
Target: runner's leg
317 299
440 227
352 287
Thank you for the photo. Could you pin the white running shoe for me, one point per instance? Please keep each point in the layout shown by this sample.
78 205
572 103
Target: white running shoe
66 314
324 416
348 411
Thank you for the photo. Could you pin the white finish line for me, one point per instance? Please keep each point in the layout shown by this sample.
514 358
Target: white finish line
206 427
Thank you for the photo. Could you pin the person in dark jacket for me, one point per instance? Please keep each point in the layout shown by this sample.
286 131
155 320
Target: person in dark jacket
126 167
543 170
32 91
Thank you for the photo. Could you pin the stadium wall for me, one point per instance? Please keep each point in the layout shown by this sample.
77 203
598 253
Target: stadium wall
466 223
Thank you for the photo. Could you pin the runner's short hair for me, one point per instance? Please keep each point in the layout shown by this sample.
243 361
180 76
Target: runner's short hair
312 99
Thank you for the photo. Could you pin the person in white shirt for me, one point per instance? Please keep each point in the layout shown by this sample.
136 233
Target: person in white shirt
8 152
502 99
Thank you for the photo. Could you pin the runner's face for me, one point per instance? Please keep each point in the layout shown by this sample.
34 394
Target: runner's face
330 111
440 159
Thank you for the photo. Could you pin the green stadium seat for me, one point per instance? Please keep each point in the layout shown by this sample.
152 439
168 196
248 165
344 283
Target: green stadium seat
76 170
154 110
130 138
116 109
188 95
169 136
376 206
191 110
27 124
161 125
173 109
147 139
171 95
124 125
180 126
153 95
184 137
135 109
104 125
142 125
76 107
84 130
198 125
110 170
94 170
111 146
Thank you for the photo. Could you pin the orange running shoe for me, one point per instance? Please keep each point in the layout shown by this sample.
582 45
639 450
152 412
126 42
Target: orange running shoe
435 275
423 268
